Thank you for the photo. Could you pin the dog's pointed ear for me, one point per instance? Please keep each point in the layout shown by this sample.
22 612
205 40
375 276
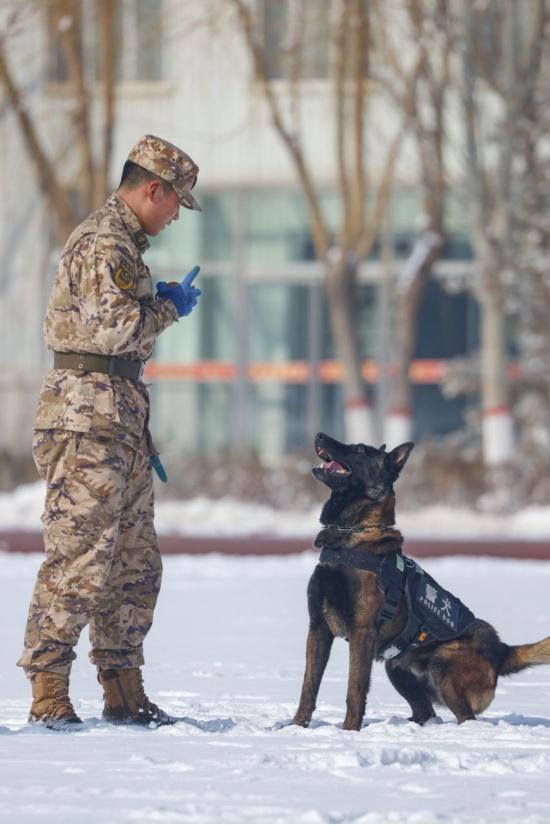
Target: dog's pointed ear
382 448
398 458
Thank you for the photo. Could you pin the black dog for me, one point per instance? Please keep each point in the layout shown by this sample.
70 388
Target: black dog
387 607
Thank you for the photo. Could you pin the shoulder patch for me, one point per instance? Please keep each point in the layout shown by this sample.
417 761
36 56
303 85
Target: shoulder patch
124 277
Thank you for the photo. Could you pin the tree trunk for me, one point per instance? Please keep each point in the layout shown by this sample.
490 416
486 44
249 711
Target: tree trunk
350 44
342 301
49 184
80 112
399 423
410 289
105 31
497 422
489 193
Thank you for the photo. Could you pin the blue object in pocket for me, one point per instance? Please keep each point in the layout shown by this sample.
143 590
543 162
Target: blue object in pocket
156 464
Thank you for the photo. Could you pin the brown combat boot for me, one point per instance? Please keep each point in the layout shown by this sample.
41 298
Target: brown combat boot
51 705
126 702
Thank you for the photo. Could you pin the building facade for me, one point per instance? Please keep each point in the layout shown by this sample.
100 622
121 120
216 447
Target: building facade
254 367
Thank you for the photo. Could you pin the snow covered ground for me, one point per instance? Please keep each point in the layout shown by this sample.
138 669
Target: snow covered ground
227 652
21 509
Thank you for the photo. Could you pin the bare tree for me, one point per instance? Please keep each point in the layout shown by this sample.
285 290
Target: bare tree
63 18
363 200
528 296
427 102
499 44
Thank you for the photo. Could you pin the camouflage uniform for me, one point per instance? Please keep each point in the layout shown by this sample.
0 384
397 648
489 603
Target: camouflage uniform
91 440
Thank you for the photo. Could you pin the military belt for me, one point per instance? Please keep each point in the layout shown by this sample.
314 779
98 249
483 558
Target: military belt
98 363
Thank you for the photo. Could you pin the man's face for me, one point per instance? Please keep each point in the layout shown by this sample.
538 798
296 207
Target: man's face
163 207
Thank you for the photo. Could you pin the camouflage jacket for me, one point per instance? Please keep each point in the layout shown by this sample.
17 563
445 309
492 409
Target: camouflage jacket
102 302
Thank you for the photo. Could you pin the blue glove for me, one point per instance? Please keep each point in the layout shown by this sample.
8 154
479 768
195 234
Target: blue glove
184 296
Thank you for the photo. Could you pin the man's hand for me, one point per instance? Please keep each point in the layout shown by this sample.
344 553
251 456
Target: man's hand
184 296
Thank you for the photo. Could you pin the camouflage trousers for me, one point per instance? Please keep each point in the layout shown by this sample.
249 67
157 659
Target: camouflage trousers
103 565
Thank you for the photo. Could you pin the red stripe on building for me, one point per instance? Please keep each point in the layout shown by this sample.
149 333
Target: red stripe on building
501 409
330 371
401 412
357 404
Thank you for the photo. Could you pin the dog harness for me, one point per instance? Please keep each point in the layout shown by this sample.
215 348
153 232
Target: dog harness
434 614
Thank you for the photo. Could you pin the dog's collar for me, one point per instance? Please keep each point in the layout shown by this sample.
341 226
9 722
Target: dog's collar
360 559
360 528
333 535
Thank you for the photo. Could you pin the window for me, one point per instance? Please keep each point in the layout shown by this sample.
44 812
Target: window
277 322
141 58
296 38
256 366
136 28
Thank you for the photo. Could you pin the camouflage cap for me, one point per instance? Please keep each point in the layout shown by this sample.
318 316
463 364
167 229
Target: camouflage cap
169 163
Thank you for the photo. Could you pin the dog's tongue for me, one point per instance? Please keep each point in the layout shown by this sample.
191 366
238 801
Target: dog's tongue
332 466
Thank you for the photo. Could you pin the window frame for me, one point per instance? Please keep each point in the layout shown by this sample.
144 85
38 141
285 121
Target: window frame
284 82
128 83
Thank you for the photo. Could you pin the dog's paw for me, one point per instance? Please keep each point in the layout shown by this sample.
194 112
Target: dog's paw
434 720
426 720
351 723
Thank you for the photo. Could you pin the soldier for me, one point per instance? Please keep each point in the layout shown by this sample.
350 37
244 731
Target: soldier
91 444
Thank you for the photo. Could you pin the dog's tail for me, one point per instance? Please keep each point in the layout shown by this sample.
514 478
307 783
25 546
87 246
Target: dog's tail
518 657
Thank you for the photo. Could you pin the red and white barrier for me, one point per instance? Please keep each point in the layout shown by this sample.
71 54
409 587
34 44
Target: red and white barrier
359 422
497 431
398 427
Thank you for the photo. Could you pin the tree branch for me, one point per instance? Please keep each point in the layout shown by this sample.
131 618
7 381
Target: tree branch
340 43
65 19
385 181
49 183
319 229
359 58
105 29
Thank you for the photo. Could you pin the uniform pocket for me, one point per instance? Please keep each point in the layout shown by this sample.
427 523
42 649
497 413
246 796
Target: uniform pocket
61 543
105 408
87 496
102 467
54 453
79 401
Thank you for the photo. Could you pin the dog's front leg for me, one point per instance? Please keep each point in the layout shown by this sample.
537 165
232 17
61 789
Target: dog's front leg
361 652
319 643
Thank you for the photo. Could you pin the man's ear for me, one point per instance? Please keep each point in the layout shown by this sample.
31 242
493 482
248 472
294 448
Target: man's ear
154 190
398 458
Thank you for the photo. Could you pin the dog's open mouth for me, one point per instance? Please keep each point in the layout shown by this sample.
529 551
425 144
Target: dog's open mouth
331 466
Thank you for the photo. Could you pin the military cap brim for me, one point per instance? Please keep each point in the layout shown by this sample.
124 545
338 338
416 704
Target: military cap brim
187 199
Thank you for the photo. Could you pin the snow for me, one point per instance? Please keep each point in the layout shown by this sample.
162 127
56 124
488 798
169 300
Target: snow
227 652
200 516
